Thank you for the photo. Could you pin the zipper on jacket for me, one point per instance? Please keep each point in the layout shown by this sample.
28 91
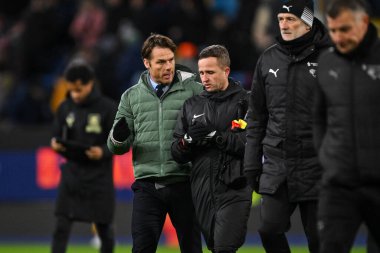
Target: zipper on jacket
352 94
160 129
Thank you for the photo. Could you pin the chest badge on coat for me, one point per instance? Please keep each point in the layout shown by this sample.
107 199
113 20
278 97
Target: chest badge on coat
70 119
274 72
93 123
312 70
372 70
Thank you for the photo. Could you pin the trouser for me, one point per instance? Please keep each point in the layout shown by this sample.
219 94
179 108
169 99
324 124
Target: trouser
372 246
62 233
151 204
229 227
342 211
275 213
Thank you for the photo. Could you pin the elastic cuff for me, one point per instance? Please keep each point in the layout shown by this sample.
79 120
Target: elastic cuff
115 142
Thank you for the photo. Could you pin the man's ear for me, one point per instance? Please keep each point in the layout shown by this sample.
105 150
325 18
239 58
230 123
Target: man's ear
366 19
227 71
146 63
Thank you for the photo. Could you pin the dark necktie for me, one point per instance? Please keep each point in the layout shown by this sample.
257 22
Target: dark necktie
159 90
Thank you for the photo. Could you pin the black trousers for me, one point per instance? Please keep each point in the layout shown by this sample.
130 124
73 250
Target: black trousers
342 211
372 246
275 214
62 233
231 213
151 204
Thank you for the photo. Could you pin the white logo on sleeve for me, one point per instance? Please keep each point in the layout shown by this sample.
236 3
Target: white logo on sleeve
274 72
287 7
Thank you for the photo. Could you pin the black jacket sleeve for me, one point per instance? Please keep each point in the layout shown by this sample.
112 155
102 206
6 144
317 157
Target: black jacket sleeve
181 153
257 118
319 118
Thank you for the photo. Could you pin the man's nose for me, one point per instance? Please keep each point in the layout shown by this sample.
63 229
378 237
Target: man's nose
337 37
168 65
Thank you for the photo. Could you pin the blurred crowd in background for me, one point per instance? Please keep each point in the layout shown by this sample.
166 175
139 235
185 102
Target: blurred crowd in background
39 37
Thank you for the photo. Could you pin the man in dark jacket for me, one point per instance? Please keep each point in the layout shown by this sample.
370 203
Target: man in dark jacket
86 190
347 127
145 121
280 160
210 134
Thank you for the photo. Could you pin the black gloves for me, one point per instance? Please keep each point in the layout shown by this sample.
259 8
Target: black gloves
121 130
198 131
253 178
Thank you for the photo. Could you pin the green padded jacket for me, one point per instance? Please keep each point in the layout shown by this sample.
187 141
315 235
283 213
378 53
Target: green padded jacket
151 121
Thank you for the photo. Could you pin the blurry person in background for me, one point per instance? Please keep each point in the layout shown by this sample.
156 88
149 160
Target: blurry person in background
205 137
145 122
280 127
86 191
264 27
347 136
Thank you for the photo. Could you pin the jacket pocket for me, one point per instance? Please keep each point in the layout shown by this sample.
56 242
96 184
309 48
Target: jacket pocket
232 172
272 145
272 141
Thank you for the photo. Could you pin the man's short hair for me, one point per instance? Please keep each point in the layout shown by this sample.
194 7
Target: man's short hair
218 51
335 7
79 69
156 40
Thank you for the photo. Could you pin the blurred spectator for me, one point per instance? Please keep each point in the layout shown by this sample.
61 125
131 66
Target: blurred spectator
140 14
38 48
242 50
229 8
265 26
88 24
37 37
218 30
188 21
86 191
187 55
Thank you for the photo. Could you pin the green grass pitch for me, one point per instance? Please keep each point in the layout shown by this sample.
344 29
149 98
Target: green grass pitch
76 248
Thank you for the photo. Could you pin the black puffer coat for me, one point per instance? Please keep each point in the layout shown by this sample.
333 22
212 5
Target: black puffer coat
280 116
222 207
86 190
347 114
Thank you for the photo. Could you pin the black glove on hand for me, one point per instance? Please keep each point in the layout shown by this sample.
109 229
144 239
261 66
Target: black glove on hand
121 130
253 180
198 131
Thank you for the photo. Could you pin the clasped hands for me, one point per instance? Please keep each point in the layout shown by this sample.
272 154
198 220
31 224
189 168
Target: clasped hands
200 134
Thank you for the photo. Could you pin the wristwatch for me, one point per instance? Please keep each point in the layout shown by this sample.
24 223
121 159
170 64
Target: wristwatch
219 140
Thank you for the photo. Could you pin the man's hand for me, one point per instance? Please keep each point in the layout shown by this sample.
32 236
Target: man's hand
121 131
56 146
253 179
94 153
198 131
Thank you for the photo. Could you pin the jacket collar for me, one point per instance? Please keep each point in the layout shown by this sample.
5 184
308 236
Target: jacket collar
92 97
305 45
177 83
233 87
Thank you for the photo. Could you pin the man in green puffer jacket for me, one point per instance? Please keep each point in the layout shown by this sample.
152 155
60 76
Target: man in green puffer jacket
145 121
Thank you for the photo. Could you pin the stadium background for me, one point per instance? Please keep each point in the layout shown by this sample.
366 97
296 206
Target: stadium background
37 39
